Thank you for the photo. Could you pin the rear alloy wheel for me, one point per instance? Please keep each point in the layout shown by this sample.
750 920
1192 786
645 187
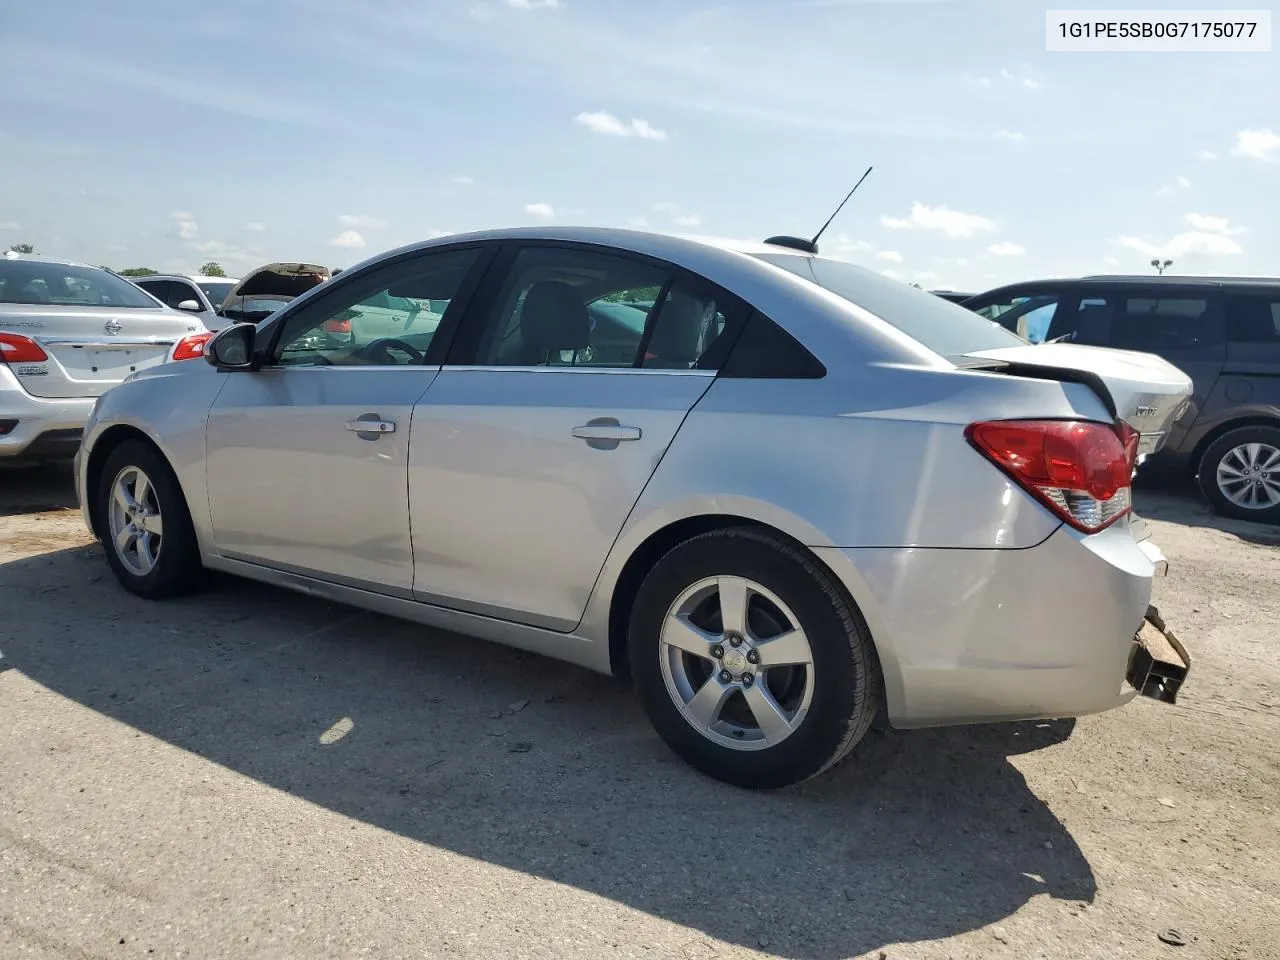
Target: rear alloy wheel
749 660
145 526
1240 474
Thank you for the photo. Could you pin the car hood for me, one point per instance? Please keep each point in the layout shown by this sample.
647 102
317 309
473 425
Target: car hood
1145 391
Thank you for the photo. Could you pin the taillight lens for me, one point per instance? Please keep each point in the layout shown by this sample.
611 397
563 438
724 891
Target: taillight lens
192 347
1079 469
15 348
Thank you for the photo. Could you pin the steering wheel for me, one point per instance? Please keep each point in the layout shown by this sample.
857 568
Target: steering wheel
380 350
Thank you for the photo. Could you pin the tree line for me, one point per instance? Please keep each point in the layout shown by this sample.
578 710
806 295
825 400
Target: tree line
210 269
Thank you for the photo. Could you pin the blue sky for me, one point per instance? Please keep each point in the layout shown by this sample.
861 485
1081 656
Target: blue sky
165 133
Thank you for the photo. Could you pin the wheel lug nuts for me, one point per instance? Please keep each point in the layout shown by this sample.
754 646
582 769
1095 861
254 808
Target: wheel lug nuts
753 657
717 651
726 676
748 679
735 641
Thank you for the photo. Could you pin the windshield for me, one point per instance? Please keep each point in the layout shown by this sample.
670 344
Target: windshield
62 284
943 327
216 290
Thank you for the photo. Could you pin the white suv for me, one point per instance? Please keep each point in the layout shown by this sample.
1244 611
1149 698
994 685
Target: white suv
69 332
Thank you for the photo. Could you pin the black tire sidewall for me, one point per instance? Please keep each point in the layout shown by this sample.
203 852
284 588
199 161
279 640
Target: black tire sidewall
843 682
1208 472
179 556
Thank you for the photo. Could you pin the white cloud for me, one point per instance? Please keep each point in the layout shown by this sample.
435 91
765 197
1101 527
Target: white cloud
1029 83
348 240
532 4
892 274
255 227
893 256
1210 224
543 211
1184 182
463 181
1258 144
638 223
10 225
361 221
1206 155
1111 261
610 126
1012 136
1006 249
982 82
953 223
925 275
665 206
1208 237
184 225
688 220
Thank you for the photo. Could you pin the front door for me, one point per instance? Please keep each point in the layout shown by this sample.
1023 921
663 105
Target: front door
570 381
308 456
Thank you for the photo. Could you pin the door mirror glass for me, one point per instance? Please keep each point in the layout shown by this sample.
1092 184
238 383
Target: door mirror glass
232 347
190 305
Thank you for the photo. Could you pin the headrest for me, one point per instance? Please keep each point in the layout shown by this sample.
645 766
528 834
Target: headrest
554 317
678 330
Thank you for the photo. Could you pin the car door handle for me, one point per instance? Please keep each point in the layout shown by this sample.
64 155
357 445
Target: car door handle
609 430
370 423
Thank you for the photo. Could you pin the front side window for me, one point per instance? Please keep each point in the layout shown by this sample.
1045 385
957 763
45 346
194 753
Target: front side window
387 318
61 284
1026 314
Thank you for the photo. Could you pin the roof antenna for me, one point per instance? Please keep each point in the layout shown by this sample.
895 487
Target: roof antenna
811 246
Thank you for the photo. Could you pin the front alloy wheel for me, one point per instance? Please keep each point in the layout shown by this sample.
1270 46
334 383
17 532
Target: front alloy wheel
134 521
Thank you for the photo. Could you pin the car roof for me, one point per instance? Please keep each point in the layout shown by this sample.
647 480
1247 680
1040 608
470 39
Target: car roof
1134 280
194 278
38 258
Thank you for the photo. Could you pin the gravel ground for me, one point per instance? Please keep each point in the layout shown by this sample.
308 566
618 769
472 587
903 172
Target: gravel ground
252 773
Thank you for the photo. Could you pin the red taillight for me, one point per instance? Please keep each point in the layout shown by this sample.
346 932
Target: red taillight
15 348
337 326
1079 469
192 347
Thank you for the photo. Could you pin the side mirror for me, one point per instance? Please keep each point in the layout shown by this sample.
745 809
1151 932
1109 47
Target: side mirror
192 306
232 348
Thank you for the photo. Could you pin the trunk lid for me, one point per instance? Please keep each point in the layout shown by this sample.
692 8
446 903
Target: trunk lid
1142 389
90 349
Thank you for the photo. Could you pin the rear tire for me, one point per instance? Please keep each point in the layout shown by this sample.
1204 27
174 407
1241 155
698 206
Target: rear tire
145 525
1240 474
729 703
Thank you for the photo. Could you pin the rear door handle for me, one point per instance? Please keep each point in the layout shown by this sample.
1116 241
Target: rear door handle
605 433
371 424
606 430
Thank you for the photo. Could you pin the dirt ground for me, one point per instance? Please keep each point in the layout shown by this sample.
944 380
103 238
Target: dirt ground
251 773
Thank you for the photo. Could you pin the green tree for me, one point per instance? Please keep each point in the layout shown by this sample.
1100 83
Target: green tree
212 269
137 272
23 248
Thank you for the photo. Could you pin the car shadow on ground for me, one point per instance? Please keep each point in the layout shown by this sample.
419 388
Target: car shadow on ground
544 768
37 489
1177 500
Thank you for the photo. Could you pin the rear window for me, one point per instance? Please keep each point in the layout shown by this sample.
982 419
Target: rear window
943 327
61 284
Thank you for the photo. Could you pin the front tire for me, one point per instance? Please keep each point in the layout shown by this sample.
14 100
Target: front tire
1240 474
750 661
146 528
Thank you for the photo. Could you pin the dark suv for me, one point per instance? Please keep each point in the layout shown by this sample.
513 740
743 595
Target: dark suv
1222 332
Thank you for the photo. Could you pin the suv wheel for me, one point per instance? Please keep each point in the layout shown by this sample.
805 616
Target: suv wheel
1240 474
750 662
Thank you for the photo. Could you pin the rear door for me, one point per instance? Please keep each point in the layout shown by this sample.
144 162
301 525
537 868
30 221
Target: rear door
534 443
91 328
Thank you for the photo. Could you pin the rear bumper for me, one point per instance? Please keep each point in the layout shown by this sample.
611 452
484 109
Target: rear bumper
970 636
36 428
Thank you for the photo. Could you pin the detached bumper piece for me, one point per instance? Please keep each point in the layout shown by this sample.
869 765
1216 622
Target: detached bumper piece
1158 663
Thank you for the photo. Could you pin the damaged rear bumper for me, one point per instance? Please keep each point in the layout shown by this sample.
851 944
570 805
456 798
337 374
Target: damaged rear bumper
1158 662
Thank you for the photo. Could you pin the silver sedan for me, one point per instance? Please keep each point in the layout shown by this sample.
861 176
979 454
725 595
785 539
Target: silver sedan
778 493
